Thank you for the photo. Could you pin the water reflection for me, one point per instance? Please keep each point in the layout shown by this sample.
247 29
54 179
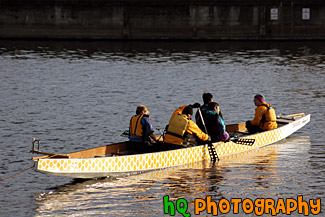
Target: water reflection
280 53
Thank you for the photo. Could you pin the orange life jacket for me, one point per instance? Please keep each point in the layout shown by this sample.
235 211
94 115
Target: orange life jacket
136 128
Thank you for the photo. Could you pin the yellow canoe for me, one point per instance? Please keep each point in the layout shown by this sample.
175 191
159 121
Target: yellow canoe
116 159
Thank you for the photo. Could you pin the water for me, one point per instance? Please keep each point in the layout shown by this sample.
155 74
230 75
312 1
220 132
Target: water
76 95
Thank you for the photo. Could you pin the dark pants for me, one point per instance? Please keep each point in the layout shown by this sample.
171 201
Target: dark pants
251 128
167 146
140 147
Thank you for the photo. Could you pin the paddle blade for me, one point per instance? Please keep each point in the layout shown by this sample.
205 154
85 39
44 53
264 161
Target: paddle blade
249 142
213 153
125 133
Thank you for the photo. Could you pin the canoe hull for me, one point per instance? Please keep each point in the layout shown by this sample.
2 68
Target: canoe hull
131 164
120 165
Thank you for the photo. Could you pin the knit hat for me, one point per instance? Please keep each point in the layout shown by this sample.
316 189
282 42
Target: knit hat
260 97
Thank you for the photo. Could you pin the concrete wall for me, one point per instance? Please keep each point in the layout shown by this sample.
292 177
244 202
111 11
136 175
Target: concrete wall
163 19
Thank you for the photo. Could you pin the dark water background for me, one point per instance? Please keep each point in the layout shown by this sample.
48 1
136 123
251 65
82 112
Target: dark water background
77 95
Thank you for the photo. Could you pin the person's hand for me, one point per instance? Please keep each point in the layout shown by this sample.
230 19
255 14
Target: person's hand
160 139
196 105
234 139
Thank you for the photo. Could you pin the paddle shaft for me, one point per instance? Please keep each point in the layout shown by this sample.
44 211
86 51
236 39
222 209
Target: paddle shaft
296 115
213 153
205 128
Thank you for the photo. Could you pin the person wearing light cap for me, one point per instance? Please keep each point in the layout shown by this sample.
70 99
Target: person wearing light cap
141 132
265 117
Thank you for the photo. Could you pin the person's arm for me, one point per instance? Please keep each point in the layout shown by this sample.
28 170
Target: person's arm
193 128
223 135
155 138
149 129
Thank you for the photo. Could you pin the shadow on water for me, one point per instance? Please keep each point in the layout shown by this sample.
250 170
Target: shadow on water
79 184
87 48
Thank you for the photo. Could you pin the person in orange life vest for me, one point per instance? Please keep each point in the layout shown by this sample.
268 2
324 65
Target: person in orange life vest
141 132
182 127
265 117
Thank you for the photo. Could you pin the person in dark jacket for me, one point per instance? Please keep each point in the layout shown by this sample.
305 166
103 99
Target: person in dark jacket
207 98
214 123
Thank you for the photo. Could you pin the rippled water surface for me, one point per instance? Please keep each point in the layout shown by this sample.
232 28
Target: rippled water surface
77 95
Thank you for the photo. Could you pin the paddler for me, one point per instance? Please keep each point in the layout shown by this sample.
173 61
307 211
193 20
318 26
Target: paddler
207 98
265 117
181 127
214 123
180 109
141 133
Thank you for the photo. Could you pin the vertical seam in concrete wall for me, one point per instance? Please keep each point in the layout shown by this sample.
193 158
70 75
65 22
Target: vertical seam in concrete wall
291 30
323 17
262 21
126 23
193 11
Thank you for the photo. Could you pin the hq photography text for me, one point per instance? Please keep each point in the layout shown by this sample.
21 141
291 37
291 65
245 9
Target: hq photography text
258 206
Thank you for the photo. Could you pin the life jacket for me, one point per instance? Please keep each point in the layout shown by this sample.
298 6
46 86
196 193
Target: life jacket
267 118
136 128
177 128
177 111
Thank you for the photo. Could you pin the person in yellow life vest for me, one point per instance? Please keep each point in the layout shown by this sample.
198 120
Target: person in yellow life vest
141 132
181 127
265 117
180 109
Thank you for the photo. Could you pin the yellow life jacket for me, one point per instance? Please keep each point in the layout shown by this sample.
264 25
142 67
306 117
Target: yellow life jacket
178 126
177 111
136 128
268 119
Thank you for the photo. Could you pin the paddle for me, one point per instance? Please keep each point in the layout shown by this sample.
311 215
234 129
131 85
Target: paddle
290 117
125 133
249 142
212 151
